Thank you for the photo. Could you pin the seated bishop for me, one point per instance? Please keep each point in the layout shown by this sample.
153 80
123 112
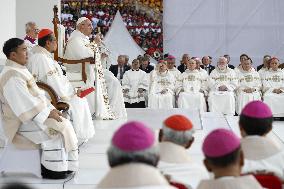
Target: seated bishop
225 162
249 85
133 154
191 88
45 69
273 88
222 84
176 137
262 154
30 121
162 88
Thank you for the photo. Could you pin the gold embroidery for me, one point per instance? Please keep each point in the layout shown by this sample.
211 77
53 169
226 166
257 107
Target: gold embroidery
191 78
164 82
248 78
276 78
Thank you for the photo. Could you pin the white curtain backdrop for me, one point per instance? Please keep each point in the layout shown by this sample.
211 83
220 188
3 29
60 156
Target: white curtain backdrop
218 27
119 41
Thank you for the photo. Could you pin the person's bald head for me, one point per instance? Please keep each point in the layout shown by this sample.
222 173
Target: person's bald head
85 27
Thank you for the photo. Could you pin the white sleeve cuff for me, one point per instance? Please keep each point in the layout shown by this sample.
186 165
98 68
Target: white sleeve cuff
43 115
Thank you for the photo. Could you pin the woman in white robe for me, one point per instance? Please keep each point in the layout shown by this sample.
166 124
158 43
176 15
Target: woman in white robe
135 86
273 88
191 85
45 69
249 85
222 84
162 88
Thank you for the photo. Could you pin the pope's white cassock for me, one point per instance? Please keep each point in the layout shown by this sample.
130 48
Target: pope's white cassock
193 84
176 163
161 82
222 101
274 80
133 80
26 124
262 155
247 79
45 69
76 49
134 176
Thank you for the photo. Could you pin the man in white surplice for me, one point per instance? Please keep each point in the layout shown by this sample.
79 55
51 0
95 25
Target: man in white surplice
222 83
135 86
249 85
273 88
76 48
30 121
191 86
176 137
162 88
45 69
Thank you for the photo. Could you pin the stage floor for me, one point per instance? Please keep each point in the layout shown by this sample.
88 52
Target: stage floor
93 160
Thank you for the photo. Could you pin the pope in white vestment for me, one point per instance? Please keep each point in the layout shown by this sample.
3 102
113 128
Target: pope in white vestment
135 84
45 69
249 85
191 87
162 88
30 121
222 83
273 88
76 48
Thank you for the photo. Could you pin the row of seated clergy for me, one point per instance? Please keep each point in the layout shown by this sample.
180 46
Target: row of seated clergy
45 69
77 48
227 90
30 121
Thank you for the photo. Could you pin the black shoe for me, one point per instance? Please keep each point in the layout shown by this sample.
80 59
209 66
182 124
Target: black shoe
48 174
